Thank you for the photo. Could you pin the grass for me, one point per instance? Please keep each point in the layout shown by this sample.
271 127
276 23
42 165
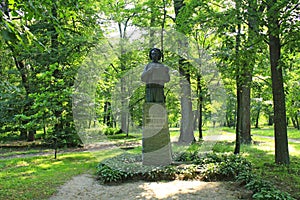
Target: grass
39 177
285 178
268 131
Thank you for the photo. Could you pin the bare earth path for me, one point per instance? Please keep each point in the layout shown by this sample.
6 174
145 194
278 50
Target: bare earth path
85 187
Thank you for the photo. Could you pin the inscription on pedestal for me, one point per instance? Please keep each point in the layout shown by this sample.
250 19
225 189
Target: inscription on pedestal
156 136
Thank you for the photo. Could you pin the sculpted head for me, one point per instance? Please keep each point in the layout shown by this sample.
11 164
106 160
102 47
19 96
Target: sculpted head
155 54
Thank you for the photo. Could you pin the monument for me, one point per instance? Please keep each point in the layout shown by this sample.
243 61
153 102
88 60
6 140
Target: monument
156 136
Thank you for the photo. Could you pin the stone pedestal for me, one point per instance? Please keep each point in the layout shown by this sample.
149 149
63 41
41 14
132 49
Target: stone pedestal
156 135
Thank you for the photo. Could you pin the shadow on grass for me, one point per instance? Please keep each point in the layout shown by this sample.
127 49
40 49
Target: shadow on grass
284 177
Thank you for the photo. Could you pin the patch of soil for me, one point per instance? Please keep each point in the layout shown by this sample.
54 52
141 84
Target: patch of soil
85 187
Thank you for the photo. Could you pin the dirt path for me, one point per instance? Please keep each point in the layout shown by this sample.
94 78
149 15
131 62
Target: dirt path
85 187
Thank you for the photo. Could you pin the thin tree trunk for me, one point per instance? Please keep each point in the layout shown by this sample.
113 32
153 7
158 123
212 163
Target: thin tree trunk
199 106
257 118
297 122
238 129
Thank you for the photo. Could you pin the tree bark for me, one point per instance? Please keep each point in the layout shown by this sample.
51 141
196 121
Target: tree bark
199 106
186 126
238 128
245 109
280 123
257 118
297 122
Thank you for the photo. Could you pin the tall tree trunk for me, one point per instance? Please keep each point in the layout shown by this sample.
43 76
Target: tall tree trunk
199 106
186 125
238 129
244 79
280 124
245 109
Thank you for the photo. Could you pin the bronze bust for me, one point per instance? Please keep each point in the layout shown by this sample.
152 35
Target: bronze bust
155 75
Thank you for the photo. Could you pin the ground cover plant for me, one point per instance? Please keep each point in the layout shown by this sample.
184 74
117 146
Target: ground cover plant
192 164
285 178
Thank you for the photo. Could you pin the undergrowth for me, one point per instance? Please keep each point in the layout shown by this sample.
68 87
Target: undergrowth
190 164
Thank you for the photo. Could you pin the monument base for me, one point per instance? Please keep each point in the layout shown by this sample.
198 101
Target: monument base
156 135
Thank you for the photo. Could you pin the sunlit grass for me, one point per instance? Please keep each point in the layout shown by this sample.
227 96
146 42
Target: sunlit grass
269 131
39 177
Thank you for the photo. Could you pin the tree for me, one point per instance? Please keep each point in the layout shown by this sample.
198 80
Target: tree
48 41
280 124
186 125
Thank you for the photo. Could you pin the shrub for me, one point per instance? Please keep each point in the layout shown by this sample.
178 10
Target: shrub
128 166
223 166
107 174
262 190
111 131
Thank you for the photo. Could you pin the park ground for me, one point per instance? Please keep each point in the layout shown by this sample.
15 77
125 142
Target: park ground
31 172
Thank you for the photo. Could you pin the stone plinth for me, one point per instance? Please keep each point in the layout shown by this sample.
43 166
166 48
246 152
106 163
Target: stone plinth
156 135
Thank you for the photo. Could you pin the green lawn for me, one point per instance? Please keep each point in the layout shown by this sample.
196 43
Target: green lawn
268 131
39 177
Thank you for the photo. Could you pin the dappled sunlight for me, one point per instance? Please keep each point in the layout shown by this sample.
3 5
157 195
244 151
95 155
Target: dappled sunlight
27 174
294 149
86 187
162 190
22 163
45 165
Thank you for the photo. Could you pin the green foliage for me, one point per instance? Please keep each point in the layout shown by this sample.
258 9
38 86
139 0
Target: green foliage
210 167
224 166
111 131
107 175
128 166
262 189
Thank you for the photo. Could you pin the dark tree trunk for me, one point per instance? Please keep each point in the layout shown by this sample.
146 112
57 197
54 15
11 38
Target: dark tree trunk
31 135
297 122
245 108
107 114
257 118
238 126
281 139
200 105
270 119
23 134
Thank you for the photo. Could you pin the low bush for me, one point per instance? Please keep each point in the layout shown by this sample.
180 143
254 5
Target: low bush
223 166
111 131
129 166
211 167
262 190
